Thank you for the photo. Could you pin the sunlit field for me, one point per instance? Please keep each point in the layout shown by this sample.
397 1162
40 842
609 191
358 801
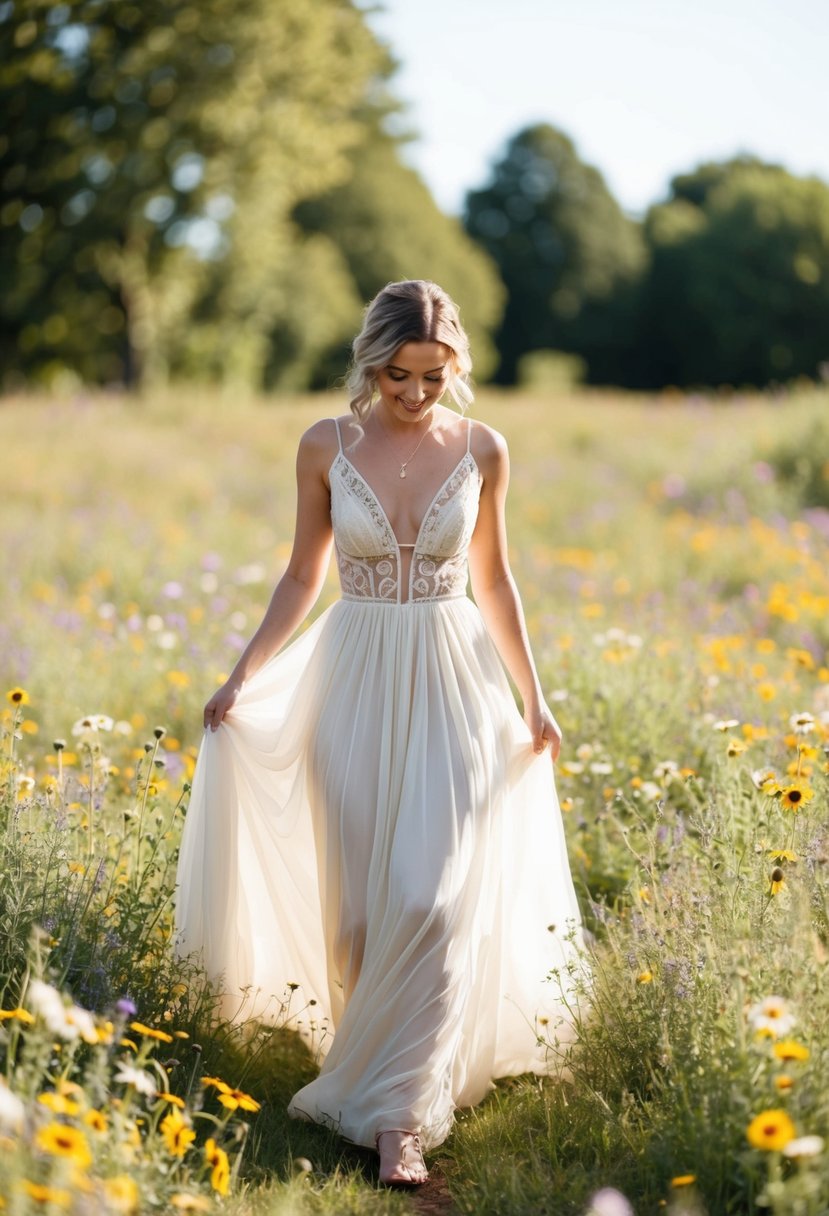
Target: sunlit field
673 558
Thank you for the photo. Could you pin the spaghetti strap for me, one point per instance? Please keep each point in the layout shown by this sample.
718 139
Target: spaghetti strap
468 434
339 436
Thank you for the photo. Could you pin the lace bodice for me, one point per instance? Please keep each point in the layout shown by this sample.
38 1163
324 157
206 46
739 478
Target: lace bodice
368 553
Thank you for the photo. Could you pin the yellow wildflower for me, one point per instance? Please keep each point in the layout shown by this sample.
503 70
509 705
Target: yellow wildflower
783 1082
796 795
216 1158
777 881
96 1119
17 696
59 1104
235 1099
53 1195
177 1133
789 1049
122 1193
21 1015
782 855
801 658
217 1082
63 1141
683 1180
644 977
735 747
771 1130
173 1099
68 1088
105 1032
151 1033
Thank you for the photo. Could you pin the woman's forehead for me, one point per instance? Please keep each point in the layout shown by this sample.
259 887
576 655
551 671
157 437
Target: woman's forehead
420 357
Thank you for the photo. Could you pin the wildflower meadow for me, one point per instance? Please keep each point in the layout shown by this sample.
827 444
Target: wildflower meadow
673 559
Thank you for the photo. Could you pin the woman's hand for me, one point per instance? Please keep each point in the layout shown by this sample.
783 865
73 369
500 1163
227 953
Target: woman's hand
544 730
220 703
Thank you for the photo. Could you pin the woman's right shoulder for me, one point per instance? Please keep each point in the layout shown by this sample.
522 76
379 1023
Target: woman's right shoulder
321 437
320 444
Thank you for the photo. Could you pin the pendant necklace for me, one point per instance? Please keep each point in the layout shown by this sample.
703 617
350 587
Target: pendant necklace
414 453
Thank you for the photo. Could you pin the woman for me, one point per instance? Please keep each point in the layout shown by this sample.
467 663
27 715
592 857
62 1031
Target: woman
371 822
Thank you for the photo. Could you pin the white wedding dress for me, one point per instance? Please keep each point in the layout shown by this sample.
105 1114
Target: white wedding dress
371 825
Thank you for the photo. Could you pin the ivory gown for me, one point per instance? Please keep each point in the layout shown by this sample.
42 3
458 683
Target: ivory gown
371 823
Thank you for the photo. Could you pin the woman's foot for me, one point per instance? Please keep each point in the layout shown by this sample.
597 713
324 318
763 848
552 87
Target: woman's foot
401 1158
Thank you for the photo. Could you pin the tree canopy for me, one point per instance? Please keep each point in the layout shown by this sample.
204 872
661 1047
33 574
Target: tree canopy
211 191
150 160
567 254
386 224
738 287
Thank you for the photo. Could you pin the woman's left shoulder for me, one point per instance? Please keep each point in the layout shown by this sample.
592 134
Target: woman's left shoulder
488 446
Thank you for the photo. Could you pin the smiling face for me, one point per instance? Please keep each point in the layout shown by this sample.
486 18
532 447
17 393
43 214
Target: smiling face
414 379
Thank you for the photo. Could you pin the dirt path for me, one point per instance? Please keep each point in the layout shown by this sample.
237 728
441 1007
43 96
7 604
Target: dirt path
433 1198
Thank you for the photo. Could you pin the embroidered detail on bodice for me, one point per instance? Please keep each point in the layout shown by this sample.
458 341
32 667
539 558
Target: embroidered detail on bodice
368 555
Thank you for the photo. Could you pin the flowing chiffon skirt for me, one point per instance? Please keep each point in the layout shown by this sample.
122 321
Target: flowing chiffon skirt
371 826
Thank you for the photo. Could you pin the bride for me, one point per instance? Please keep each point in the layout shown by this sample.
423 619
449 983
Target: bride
372 823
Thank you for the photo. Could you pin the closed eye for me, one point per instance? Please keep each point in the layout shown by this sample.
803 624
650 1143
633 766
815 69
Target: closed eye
400 379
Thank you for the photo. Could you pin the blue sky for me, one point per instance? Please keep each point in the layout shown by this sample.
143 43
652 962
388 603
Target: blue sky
645 88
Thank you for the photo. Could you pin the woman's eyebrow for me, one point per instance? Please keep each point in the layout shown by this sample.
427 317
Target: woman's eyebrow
394 368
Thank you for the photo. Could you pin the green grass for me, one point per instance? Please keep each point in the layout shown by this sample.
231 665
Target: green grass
672 556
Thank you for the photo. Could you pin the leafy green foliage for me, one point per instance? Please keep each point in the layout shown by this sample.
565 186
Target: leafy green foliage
738 291
387 226
150 163
568 256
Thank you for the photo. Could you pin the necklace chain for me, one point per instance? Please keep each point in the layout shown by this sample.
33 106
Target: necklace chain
409 459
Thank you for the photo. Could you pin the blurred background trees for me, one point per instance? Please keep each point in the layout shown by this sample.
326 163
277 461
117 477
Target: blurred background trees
387 226
213 191
568 256
726 282
151 156
738 286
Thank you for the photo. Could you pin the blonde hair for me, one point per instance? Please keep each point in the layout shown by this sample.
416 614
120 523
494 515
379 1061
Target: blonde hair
413 310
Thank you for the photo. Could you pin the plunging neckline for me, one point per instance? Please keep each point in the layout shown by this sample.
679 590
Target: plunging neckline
467 455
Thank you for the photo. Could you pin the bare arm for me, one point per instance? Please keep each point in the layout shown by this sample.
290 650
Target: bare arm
297 591
495 591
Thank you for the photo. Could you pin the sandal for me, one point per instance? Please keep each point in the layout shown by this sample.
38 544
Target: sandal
409 1168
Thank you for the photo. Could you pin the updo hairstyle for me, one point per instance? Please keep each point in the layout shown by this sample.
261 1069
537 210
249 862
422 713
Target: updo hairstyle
413 310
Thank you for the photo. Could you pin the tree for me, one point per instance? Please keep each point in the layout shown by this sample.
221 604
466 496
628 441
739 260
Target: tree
738 287
568 256
152 155
387 226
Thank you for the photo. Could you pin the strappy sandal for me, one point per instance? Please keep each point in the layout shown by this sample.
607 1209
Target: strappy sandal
411 1168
